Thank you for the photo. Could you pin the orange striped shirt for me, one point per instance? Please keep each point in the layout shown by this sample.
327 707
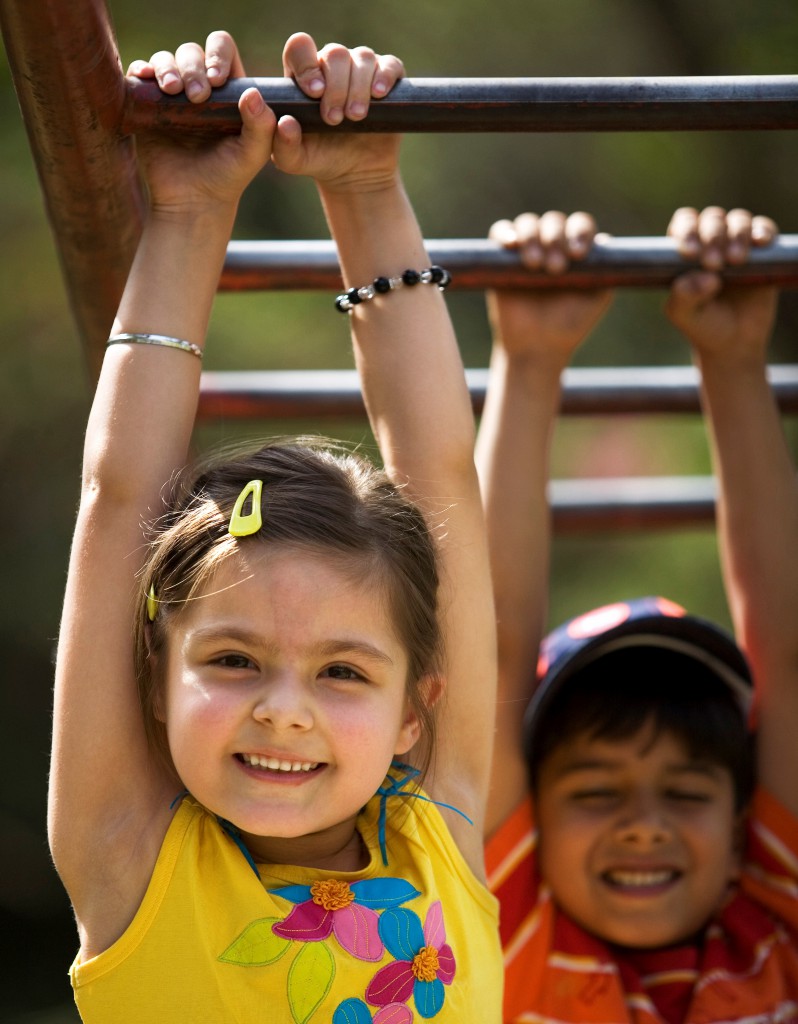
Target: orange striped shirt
745 970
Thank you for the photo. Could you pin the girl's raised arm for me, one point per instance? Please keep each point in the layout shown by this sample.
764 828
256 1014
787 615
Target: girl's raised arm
109 801
416 395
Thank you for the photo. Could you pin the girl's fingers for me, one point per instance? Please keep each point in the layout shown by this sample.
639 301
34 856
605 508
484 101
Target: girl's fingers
361 79
336 65
166 72
190 58
301 62
141 69
222 60
389 70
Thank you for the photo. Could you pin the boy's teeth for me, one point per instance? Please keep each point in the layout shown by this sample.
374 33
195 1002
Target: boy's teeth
640 878
275 765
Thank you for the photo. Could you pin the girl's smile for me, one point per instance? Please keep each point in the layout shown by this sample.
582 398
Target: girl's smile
285 697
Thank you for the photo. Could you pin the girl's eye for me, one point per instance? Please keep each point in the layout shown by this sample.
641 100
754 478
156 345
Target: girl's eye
344 672
235 661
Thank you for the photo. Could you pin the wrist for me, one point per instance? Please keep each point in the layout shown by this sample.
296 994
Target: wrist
358 185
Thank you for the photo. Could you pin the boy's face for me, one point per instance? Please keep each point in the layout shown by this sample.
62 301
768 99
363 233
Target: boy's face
637 839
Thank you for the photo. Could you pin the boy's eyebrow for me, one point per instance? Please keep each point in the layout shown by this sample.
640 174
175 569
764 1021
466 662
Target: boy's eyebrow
706 768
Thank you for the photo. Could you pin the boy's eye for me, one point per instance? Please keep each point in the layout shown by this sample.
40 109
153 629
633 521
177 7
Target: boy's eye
688 796
595 795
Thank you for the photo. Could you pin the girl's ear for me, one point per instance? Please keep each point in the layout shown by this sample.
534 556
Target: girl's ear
738 843
430 689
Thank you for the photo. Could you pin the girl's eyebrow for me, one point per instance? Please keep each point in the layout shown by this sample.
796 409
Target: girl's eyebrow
332 648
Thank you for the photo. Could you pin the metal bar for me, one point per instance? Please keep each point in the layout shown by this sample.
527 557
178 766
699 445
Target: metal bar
501 105
478 263
324 394
69 82
631 503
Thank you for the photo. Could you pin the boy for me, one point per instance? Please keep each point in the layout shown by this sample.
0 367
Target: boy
643 891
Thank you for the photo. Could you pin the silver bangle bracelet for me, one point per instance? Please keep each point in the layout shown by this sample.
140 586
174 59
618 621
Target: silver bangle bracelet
156 339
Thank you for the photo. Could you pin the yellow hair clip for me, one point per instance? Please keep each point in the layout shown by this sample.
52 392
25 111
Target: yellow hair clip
245 525
152 604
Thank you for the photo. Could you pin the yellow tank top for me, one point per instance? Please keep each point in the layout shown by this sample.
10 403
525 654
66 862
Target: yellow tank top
213 943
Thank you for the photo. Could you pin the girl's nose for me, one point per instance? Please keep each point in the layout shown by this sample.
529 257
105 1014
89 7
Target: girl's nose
284 703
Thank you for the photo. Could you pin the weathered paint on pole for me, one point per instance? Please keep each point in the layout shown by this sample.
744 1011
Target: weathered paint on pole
71 90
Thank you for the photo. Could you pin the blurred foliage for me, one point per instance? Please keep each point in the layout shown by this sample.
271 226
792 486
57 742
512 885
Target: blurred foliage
460 184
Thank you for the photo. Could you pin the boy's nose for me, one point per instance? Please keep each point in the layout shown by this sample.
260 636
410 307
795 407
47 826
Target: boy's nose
284 703
642 823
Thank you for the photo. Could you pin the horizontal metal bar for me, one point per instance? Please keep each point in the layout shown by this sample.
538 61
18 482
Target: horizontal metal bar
630 503
323 394
499 105
477 263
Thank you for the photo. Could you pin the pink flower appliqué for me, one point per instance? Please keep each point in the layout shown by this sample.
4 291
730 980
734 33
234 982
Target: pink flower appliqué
424 962
333 906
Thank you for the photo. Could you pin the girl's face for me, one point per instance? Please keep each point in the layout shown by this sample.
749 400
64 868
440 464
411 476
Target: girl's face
285 702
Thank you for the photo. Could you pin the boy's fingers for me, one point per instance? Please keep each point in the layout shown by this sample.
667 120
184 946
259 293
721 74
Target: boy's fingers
190 59
552 238
301 62
361 77
738 235
503 232
763 230
527 240
683 228
221 58
580 230
258 125
712 233
389 70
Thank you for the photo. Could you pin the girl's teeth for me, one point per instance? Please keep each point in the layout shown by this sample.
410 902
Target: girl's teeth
275 765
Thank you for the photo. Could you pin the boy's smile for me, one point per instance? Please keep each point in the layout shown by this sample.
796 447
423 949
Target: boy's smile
637 840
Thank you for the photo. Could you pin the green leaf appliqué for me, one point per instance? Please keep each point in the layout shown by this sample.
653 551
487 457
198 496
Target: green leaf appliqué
256 946
309 979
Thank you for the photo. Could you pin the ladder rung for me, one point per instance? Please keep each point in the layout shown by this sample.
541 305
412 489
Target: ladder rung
500 105
629 503
477 263
321 394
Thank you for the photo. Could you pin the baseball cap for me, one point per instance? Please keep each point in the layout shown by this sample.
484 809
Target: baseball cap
643 622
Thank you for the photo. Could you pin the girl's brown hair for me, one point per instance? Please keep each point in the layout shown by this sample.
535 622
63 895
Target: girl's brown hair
315 496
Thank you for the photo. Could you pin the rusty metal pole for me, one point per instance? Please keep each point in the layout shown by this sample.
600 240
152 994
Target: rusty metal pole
71 90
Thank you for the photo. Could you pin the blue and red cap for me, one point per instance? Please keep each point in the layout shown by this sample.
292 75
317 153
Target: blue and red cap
653 622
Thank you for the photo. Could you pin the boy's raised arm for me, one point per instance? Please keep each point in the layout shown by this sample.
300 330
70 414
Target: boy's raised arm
534 336
729 329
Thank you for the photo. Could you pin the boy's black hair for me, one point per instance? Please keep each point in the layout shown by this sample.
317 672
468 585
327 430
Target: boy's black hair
617 694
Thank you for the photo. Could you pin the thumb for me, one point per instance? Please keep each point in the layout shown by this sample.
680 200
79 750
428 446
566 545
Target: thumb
258 125
691 291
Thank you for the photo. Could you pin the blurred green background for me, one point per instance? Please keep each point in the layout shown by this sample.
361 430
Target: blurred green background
460 184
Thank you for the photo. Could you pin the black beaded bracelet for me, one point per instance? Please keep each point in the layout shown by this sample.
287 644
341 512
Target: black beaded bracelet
347 301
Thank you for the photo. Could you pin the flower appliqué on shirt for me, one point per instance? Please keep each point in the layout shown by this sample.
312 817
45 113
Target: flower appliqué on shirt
349 912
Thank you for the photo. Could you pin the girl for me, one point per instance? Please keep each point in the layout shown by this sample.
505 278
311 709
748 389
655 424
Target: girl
233 811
